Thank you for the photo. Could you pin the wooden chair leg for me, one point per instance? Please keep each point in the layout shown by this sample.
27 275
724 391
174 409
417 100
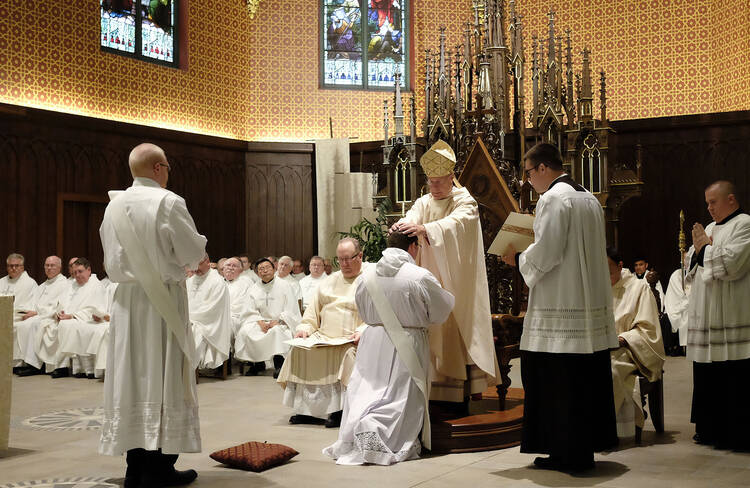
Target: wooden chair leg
196 376
224 368
656 405
638 435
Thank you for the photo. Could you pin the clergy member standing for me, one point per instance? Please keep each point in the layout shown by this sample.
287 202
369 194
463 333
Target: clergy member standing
641 348
26 330
273 315
719 322
446 221
150 400
210 315
387 397
676 299
569 326
18 284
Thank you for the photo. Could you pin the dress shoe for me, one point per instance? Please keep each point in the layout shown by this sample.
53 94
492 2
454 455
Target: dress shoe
251 371
91 376
29 371
702 439
305 419
175 478
17 369
334 420
60 373
546 462
79 375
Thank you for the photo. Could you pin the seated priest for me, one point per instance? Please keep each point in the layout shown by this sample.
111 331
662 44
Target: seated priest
314 379
273 314
210 315
386 399
239 292
26 330
248 270
77 327
309 284
327 267
641 348
18 284
298 270
284 271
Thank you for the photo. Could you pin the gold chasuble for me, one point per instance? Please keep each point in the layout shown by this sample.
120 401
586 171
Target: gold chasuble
454 252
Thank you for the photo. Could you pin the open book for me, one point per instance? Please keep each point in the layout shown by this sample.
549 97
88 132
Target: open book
316 339
518 230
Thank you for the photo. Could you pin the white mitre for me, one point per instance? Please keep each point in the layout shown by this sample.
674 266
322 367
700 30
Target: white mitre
439 160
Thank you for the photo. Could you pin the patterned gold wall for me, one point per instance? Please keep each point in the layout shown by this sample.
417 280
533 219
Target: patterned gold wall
258 79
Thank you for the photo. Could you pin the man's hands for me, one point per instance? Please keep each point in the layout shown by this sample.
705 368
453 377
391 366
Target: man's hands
301 335
355 337
409 228
28 315
700 238
622 341
266 325
509 257
63 316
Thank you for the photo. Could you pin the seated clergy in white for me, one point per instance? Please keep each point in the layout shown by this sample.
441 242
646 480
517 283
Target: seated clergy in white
273 314
641 348
247 269
309 284
239 292
210 315
284 271
314 379
83 298
45 300
386 400
18 284
83 327
298 270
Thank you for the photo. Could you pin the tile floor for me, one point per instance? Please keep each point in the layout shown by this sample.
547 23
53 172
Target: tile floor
249 408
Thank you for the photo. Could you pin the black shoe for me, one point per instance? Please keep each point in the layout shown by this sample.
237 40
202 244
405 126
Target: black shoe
305 419
79 375
17 369
60 373
251 371
260 366
702 439
546 463
334 420
175 478
29 371
91 376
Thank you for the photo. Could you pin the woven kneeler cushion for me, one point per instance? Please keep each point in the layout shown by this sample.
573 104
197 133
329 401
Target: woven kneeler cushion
254 456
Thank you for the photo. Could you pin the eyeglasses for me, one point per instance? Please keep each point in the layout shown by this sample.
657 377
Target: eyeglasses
166 165
529 170
14 265
349 259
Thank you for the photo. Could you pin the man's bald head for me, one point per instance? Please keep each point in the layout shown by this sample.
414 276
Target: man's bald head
149 161
721 199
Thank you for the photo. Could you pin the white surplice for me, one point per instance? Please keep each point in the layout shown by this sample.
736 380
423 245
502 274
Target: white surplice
676 301
239 301
275 300
384 408
308 286
22 288
636 321
453 251
298 276
80 301
294 283
25 332
719 308
314 379
146 404
83 335
211 317
570 293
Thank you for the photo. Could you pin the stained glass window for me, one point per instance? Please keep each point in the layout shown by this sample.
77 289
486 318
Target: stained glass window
364 43
143 29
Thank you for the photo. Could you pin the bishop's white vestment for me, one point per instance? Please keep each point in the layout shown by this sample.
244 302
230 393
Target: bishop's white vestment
149 402
22 288
26 332
384 408
275 300
636 321
211 318
314 379
453 252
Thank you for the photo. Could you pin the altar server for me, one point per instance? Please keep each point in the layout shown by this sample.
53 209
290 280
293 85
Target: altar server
45 301
150 401
569 326
676 298
641 346
19 284
719 322
387 397
446 220
210 315
82 328
314 379
309 284
273 315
